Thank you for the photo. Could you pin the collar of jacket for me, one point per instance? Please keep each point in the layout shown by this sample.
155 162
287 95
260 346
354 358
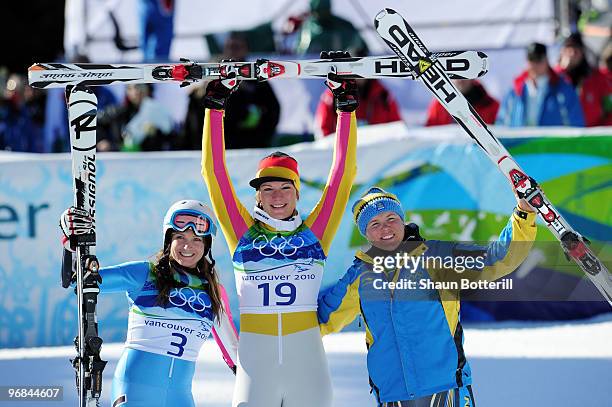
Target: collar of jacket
277 225
519 81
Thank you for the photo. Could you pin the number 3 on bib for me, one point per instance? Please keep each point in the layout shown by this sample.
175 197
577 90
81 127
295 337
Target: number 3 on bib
180 345
281 292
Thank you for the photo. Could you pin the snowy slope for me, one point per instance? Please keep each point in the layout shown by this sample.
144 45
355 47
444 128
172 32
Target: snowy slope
513 364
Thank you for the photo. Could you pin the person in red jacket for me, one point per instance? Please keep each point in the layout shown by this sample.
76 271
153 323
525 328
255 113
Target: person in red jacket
376 106
605 62
593 88
475 93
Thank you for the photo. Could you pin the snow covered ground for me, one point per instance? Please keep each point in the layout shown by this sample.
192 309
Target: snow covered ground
514 364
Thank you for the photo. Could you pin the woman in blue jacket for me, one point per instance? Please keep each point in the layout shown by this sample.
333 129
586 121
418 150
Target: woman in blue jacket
176 302
413 334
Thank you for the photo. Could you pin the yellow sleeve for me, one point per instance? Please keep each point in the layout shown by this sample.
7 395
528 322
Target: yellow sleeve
325 218
523 234
339 306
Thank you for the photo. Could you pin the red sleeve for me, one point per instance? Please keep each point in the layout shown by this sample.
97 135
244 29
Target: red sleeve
393 112
437 115
325 116
488 112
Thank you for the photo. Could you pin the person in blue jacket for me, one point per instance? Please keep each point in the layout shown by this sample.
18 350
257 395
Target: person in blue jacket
413 333
540 97
176 302
156 28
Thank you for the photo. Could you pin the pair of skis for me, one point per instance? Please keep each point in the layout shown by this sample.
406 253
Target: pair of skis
458 64
88 365
402 39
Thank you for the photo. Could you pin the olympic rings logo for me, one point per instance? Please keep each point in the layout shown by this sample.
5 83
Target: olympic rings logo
198 302
278 244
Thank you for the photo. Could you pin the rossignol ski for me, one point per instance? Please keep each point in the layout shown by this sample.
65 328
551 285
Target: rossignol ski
458 64
82 109
402 39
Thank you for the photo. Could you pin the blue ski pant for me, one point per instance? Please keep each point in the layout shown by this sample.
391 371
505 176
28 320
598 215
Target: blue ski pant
148 379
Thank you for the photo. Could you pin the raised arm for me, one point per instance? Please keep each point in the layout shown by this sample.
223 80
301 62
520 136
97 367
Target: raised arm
233 216
325 218
502 256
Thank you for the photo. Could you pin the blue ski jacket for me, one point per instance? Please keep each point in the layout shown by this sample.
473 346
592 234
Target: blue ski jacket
414 336
558 104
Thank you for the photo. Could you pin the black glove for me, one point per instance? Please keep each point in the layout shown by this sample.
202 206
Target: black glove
412 233
346 95
219 90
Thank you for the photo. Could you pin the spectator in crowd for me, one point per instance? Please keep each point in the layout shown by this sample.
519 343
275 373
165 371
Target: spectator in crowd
605 61
605 67
592 86
475 93
156 28
321 30
250 118
540 97
376 105
140 124
22 116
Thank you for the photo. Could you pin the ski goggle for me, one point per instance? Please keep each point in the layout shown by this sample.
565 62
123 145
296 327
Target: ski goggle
201 224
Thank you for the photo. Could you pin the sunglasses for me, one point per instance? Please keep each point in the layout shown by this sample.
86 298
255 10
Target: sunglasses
202 225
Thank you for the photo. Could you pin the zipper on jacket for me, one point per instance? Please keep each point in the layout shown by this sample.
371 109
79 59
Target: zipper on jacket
280 338
171 368
401 359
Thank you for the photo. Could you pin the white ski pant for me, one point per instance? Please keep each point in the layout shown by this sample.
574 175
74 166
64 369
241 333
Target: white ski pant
282 371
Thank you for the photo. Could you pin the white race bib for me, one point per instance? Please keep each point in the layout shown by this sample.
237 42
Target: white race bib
165 335
292 287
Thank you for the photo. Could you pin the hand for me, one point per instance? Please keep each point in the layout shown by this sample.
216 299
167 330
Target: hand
74 221
523 205
219 90
345 92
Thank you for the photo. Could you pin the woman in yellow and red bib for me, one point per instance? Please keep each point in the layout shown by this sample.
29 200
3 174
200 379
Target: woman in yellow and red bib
279 257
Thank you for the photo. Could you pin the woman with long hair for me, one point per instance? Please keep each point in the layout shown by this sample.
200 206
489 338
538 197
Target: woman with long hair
279 257
175 302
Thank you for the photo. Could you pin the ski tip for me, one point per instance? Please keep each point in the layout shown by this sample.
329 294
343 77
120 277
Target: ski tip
36 67
485 68
381 14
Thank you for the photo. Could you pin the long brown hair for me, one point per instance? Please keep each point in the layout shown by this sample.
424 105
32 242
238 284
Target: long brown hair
205 270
